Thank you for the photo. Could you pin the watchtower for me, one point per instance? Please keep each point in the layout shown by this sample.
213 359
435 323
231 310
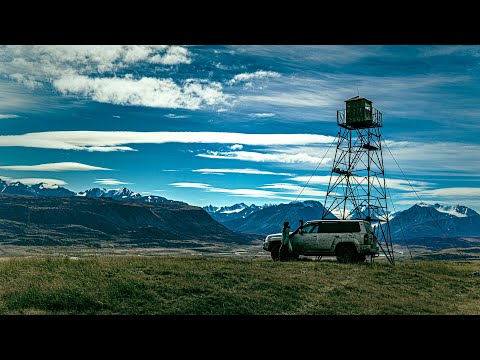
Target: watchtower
357 187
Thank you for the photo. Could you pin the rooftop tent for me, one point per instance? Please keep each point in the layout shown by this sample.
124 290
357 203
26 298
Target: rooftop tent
358 112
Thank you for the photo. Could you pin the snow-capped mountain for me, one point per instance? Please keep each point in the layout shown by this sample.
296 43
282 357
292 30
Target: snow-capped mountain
38 190
361 213
270 219
45 190
435 220
227 213
125 194
454 210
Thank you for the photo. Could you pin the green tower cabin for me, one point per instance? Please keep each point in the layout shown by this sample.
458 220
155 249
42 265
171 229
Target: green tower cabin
359 113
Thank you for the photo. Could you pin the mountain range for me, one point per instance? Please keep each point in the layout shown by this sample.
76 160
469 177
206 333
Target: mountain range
433 226
237 211
44 190
270 218
427 220
123 216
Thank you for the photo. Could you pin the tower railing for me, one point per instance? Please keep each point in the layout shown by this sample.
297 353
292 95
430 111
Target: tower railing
376 120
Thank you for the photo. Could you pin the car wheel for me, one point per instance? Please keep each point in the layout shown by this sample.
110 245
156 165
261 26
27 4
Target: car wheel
346 254
361 258
275 252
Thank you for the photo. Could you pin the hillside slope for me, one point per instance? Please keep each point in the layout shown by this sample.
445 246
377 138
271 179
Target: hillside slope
60 220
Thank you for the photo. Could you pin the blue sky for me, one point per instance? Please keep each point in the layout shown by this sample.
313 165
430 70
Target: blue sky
227 124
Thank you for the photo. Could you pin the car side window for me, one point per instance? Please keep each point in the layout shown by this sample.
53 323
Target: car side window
312 228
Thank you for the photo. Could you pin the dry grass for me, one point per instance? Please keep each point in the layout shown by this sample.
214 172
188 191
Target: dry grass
199 285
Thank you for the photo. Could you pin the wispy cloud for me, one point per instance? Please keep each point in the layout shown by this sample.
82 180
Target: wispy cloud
8 116
452 192
248 77
254 193
62 166
236 147
170 170
116 116
110 182
278 157
112 140
43 61
240 171
261 115
174 116
293 189
191 185
394 184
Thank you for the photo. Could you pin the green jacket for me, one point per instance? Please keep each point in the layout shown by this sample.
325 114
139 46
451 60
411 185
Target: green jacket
285 235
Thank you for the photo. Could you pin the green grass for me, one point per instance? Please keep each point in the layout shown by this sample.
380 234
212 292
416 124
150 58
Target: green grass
198 285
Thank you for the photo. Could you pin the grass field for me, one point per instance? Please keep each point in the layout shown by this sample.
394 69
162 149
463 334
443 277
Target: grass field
208 285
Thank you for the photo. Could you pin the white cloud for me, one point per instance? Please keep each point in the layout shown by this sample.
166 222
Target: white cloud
43 61
254 193
264 194
8 116
33 181
116 116
265 157
173 116
466 192
247 77
110 182
150 92
239 171
62 166
174 55
262 115
236 147
106 141
28 81
91 71
431 158
171 170
191 185
295 189
394 184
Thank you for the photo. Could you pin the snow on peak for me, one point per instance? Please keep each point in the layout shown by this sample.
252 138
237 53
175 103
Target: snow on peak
454 210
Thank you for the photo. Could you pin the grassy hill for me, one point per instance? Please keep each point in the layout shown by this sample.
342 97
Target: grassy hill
207 285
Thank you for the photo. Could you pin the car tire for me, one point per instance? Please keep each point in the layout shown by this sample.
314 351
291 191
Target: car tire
361 258
346 254
275 252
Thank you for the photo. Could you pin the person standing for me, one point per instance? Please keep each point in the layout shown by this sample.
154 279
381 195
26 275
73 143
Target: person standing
285 239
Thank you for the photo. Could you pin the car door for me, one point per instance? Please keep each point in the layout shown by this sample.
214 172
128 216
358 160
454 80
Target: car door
327 234
305 240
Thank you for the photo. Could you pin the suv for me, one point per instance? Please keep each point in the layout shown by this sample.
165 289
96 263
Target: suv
349 240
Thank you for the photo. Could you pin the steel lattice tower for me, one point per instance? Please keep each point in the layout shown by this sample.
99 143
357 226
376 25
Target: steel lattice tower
357 188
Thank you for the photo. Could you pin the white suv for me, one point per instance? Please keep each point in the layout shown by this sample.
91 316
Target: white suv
348 240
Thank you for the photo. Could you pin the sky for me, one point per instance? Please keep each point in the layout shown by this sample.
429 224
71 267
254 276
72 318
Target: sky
228 124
